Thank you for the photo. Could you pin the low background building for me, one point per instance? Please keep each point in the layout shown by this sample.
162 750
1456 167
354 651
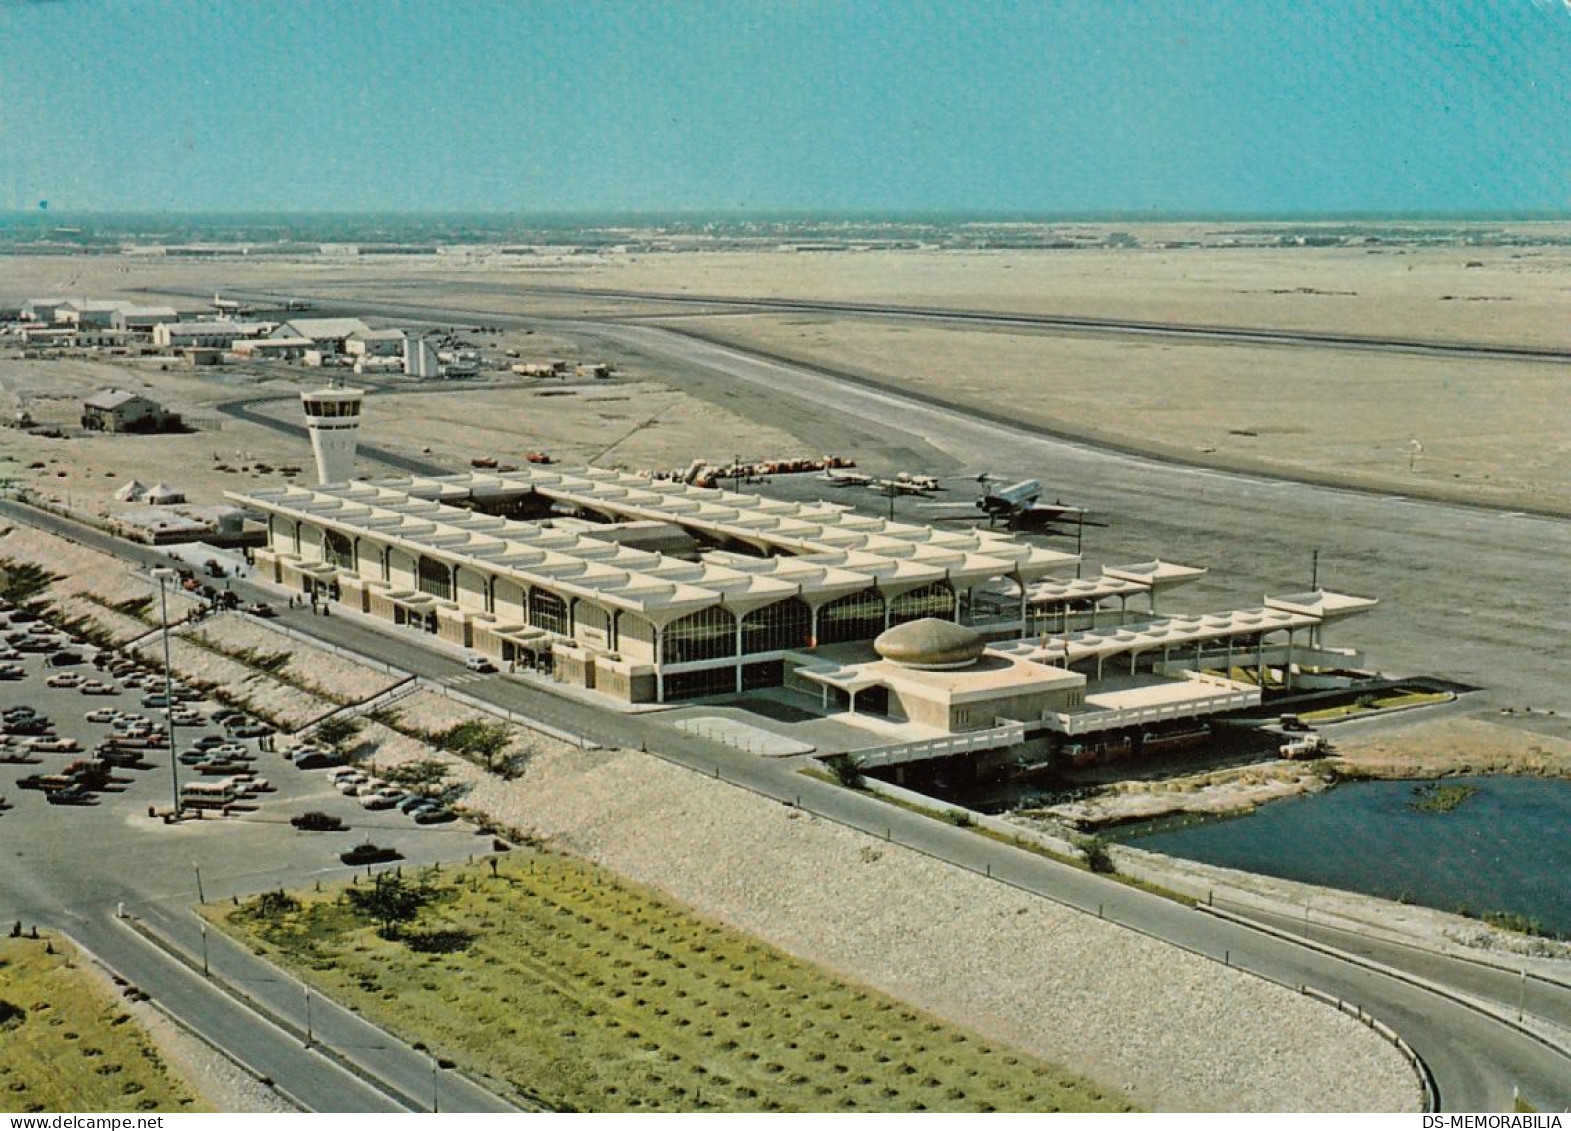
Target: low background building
118 410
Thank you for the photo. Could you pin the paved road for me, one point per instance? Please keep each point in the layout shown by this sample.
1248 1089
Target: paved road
1486 981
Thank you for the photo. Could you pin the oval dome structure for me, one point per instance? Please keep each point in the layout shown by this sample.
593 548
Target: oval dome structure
930 643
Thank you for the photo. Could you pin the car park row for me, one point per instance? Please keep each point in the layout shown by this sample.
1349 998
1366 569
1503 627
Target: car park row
216 759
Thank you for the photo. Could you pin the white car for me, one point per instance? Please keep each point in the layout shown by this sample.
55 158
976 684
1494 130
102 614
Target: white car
64 679
376 799
98 687
53 745
102 715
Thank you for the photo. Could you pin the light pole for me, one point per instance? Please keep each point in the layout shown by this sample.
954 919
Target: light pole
164 575
201 896
204 951
307 1016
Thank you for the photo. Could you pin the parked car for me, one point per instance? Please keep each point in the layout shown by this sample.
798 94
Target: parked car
52 744
479 664
369 853
318 822
102 715
98 687
208 742
376 799
261 609
70 795
156 700
434 816
64 679
316 760
251 730
12 671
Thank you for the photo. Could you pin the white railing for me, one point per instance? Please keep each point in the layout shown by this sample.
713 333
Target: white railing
1011 734
1096 720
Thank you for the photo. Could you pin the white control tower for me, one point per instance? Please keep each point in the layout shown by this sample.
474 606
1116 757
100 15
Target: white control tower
333 417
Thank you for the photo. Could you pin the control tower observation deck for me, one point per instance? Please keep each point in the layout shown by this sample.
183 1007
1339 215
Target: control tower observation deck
332 416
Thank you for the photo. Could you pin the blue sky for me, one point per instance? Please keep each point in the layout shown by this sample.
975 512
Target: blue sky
1111 106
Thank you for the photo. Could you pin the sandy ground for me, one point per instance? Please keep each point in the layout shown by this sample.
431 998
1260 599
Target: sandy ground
634 424
1215 792
1502 295
1490 431
1493 432
1439 747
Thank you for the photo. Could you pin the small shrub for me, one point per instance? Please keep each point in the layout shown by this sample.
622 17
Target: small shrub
846 769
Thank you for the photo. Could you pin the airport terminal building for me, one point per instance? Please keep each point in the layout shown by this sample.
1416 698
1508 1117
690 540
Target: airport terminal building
651 591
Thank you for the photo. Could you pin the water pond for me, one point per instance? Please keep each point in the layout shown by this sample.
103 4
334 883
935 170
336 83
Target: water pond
1503 847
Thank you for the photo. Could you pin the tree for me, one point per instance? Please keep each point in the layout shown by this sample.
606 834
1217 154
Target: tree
337 732
475 739
390 900
426 776
846 769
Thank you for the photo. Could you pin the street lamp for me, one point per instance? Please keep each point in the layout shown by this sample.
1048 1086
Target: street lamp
165 575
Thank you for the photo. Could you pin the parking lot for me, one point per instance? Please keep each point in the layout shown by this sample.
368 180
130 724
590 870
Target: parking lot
88 792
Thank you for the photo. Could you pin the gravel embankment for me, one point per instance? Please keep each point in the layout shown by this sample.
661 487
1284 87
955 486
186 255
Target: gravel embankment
1172 1030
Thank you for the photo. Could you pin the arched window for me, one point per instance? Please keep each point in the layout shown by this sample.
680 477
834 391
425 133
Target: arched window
774 628
435 578
338 550
935 600
547 611
857 616
708 634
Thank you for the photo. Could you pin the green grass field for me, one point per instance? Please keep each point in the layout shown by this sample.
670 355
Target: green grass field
591 993
67 1045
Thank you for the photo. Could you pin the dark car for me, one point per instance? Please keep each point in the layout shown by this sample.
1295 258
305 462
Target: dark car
71 795
261 609
434 816
317 760
369 854
27 724
315 822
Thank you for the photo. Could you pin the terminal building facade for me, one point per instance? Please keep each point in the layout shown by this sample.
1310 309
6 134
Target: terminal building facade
657 592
